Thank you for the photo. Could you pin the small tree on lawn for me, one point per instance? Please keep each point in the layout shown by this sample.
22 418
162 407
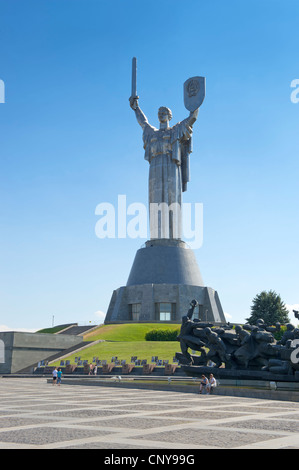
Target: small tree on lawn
269 307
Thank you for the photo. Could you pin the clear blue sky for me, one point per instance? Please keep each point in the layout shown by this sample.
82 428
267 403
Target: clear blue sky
70 141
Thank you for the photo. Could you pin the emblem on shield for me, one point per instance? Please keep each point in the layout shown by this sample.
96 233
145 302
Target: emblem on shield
194 92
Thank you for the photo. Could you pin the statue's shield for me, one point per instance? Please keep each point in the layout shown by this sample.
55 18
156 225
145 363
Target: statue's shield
194 92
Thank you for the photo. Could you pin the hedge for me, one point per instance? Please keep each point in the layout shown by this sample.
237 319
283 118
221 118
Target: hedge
162 335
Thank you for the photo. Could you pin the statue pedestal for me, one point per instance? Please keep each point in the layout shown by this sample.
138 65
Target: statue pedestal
163 279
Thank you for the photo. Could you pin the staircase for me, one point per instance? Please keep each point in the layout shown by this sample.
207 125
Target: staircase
76 330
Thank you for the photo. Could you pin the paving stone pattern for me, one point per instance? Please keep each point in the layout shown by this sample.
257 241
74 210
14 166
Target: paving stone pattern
37 415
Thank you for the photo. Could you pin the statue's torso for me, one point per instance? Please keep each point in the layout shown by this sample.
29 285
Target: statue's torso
160 142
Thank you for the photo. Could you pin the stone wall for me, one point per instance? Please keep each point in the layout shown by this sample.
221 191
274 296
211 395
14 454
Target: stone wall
21 350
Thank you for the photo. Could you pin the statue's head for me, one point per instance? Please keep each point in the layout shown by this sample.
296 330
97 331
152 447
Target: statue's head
164 114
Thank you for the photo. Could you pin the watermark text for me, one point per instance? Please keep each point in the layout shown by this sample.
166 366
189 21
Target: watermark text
131 221
295 93
2 91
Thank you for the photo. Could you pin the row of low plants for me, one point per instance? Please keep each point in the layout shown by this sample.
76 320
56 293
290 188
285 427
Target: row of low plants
162 335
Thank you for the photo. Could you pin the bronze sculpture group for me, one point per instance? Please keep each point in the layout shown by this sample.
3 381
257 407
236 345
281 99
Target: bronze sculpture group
252 347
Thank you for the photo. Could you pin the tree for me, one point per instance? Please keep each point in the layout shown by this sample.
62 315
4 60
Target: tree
269 307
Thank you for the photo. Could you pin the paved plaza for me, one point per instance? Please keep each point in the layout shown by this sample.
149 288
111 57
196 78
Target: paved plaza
35 414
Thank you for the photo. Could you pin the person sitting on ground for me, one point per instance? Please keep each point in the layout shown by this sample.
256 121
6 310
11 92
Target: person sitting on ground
212 383
203 384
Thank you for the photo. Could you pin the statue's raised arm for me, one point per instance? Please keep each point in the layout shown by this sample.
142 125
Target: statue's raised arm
140 116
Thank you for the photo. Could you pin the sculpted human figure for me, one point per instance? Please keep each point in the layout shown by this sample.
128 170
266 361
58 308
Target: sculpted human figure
288 334
264 347
246 350
186 337
167 150
256 347
217 349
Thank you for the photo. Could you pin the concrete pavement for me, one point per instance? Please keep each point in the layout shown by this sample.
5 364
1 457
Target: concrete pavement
37 415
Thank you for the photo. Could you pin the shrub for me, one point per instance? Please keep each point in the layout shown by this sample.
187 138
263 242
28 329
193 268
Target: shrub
278 334
162 335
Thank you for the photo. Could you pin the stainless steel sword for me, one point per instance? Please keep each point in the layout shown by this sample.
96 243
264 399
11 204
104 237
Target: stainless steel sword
134 78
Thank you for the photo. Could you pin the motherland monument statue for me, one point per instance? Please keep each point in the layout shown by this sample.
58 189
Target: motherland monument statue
167 150
165 274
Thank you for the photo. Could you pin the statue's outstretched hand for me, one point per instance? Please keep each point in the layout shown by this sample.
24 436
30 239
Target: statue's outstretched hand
134 102
193 116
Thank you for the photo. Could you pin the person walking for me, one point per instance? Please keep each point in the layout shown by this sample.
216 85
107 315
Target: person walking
59 375
54 375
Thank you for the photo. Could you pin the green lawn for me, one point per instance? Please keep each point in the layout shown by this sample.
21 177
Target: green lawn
127 340
127 331
125 350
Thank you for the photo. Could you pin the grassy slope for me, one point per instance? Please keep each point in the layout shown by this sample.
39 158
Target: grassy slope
127 340
127 349
127 332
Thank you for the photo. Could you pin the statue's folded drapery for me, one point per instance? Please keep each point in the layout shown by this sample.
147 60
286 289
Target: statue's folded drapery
175 141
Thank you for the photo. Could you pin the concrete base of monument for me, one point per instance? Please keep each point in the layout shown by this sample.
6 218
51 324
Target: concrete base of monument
164 275
150 300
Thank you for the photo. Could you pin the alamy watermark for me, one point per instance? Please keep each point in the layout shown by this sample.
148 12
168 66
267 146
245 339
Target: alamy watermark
2 91
295 354
131 221
295 93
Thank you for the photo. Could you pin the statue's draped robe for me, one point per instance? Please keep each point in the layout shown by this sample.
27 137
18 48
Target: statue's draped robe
167 151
